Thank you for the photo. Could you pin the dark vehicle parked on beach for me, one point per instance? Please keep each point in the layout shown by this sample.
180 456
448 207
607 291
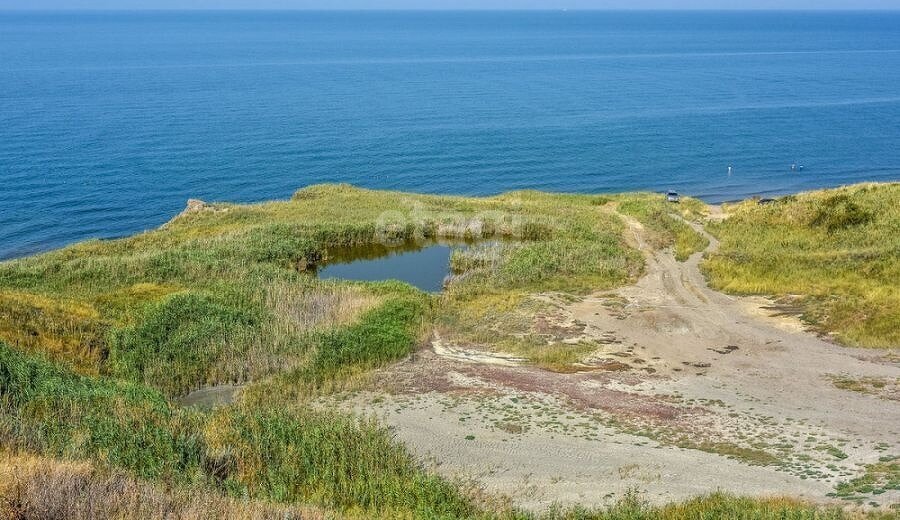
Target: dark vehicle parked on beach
672 196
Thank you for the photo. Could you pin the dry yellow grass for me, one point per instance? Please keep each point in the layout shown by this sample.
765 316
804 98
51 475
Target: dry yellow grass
33 487
65 329
324 307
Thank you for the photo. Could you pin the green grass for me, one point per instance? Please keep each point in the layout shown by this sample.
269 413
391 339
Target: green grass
878 478
714 506
47 409
301 455
838 250
663 230
384 334
34 487
202 300
327 458
175 341
96 340
558 356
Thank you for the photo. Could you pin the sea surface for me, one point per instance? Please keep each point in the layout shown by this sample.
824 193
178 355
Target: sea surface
110 121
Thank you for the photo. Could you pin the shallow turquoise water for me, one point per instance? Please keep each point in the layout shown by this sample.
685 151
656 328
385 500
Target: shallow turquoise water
110 121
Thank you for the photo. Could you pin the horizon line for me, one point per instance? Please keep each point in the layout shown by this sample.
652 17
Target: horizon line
448 10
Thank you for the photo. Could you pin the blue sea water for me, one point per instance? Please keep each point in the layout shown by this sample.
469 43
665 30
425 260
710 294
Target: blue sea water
110 121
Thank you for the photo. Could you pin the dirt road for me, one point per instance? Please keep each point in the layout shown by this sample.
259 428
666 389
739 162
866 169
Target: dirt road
709 392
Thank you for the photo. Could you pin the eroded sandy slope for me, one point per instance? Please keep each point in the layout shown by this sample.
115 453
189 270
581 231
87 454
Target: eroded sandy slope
690 391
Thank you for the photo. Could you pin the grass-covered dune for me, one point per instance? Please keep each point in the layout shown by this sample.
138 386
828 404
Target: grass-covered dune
836 253
99 339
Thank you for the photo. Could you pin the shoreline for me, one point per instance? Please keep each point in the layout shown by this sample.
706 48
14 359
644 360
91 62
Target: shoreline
40 251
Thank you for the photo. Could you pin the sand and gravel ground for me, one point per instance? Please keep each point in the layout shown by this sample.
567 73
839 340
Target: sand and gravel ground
690 391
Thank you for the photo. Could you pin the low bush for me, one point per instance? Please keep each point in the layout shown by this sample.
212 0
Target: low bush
384 334
50 410
839 212
177 340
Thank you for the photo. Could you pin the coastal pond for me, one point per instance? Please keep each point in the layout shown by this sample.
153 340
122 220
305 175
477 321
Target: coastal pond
425 265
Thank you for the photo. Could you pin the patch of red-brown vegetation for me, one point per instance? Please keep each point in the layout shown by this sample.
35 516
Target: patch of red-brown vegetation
586 397
588 392
423 372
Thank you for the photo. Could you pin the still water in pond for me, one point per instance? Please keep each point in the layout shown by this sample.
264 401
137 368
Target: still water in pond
422 265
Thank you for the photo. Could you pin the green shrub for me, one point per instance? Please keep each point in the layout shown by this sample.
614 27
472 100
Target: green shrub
176 341
53 411
384 334
839 212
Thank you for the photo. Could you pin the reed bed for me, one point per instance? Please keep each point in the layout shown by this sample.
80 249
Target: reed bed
327 307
